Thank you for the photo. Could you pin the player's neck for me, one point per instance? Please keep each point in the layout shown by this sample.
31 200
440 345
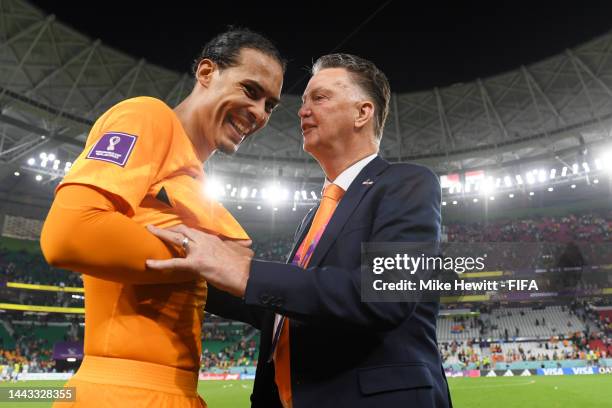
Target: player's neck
189 121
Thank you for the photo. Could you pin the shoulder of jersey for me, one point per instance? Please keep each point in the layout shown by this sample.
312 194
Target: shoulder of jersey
146 104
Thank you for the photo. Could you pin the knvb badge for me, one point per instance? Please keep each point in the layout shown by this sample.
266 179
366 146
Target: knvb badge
113 147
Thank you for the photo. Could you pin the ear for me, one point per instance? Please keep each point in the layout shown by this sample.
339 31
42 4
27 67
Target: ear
205 71
365 113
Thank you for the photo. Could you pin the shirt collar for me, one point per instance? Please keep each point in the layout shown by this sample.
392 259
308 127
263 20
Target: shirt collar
345 179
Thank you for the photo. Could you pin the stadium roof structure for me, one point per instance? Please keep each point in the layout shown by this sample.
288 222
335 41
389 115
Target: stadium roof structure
55 81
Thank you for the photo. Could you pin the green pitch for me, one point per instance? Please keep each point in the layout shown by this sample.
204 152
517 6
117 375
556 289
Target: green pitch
593 391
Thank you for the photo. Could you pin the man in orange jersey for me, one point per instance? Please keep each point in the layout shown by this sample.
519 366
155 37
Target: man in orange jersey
142 164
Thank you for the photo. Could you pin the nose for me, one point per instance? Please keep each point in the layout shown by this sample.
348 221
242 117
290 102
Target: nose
304 111
258 113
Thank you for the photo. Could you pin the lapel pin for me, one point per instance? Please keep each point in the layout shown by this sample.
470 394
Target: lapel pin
367 182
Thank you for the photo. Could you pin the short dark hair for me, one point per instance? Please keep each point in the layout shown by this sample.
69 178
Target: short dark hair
368 77
224 49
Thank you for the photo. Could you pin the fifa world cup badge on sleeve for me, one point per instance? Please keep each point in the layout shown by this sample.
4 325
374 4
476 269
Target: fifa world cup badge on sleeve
113 147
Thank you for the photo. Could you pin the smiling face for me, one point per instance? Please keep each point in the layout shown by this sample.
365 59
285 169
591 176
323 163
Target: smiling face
238 100
330 106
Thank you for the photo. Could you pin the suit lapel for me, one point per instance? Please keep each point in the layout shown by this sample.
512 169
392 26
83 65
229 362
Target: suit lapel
358 188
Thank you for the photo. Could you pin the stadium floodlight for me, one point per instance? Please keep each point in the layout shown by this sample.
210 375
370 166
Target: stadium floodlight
275 194
234 191
275 208
259 207
492 198
575 168
43 163
519 179
455 202
598 164
313 195
596 181
31 161
542 176
296 195
551 189
530 178
507 181
606 161
213 188
475 200
239 207
498 182
573 186
487 185
56 164
553 173
43 156
253 193
228 186
38 177
51 157
586 167
293 208
17 174
304 195
511 195
531 193
564 171
244 192
443 202
68 166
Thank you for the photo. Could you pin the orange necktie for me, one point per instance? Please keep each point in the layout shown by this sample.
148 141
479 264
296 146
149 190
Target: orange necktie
331 196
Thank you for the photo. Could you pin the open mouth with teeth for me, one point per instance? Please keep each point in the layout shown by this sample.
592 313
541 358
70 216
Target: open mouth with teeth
241 130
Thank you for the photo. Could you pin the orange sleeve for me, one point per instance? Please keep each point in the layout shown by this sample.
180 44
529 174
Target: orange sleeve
85 232
125 150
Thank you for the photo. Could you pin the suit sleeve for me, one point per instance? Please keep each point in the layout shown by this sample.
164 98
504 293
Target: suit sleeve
230 307
408 211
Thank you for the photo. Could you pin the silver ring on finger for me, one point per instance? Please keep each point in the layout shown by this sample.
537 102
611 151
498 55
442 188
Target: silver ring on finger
185 243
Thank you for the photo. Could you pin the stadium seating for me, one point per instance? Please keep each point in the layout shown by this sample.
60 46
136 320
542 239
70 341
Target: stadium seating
553 320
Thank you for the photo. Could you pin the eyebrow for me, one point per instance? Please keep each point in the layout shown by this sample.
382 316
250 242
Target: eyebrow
261 90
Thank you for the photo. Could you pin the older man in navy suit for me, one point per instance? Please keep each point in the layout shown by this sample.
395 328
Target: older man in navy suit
321 344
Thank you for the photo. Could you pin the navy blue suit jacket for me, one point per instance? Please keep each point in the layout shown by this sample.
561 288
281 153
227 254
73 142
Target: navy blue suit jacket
346 352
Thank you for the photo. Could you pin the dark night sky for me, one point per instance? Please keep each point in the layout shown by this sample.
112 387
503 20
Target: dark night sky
419 44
